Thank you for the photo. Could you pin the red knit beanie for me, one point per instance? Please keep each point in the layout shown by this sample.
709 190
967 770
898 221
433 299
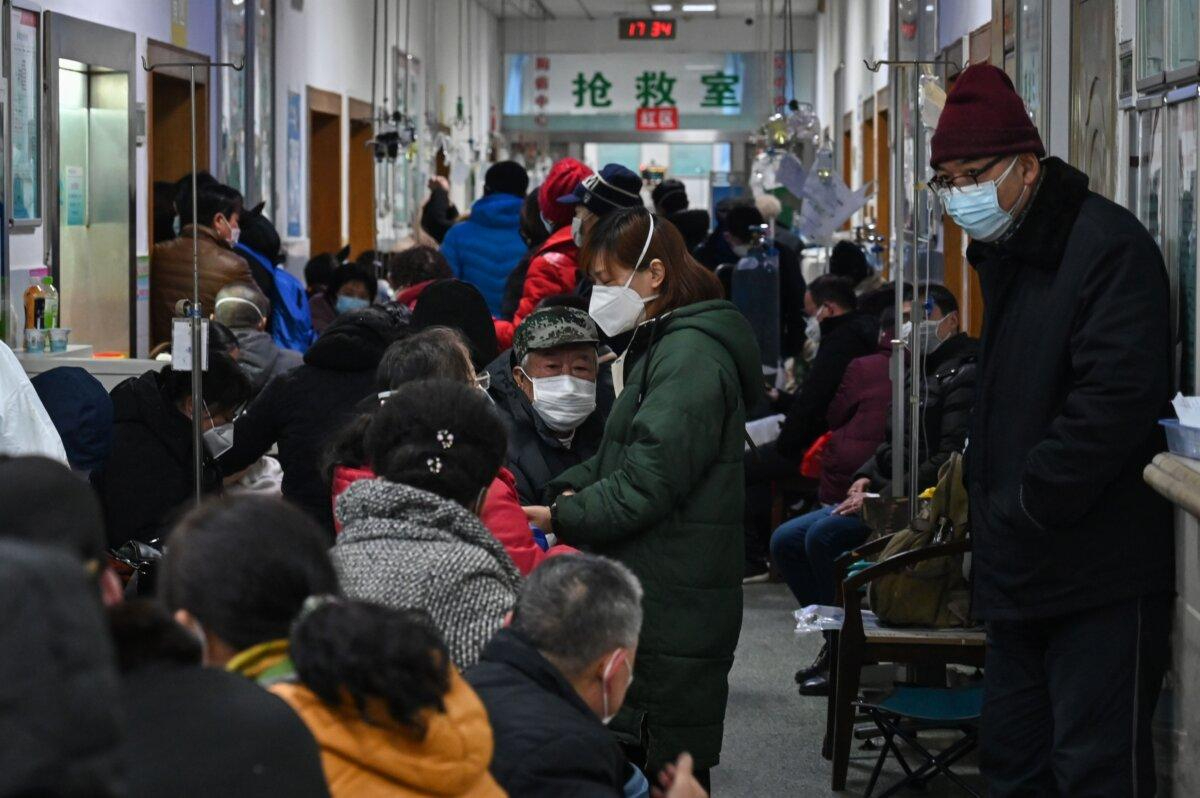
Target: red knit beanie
983 116
564 176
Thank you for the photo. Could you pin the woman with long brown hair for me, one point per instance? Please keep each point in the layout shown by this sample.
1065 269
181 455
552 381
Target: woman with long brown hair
664 493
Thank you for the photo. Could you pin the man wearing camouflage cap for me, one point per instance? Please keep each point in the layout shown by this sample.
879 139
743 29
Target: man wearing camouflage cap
545 389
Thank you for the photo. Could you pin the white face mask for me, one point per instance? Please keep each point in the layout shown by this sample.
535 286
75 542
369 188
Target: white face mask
618 308
604 685
741 250
218 440
563 402
547 224
234 234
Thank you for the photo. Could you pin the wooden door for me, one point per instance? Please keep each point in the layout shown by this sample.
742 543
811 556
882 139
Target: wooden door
1094 93
168 142
361 162
847 153
883 193
324 171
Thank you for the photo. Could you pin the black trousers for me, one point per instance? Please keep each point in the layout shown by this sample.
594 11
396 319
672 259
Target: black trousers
763 466
1068 701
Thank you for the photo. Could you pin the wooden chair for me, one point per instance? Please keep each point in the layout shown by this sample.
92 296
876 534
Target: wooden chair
856 644
792 488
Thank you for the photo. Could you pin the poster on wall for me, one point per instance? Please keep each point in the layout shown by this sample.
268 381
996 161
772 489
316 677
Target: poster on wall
293 164
26 131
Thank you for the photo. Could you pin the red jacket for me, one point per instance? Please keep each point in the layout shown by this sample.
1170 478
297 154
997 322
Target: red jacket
409 296
553 270
502 515
857 419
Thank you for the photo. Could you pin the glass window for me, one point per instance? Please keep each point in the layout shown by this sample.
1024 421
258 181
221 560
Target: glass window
1183 234
262 184
1182 33
1151 44
1150 177
1031 63
233 95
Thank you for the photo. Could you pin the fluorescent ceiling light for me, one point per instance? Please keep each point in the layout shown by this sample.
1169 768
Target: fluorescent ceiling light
696 8
661 8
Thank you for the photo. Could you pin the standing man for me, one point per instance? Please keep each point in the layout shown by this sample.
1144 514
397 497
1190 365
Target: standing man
1073 570
486 246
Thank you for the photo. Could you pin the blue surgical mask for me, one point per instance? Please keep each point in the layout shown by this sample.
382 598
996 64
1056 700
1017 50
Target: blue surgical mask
349 304
976 209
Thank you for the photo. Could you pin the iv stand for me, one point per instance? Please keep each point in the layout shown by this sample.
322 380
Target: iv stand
901 487
194 308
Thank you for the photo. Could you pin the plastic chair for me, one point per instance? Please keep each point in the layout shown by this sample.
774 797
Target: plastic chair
909 710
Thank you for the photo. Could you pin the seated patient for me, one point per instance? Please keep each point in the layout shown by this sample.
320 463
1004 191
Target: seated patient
545 391
412 538
389 710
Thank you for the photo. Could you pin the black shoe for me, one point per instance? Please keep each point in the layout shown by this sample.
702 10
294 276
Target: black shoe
756 571
816 686
818 666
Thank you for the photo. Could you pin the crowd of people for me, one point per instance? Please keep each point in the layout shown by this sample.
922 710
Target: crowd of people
477 512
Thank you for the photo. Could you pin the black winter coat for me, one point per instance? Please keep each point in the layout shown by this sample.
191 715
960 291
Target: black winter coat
535 455
60 722
946 400
303 409
147 478
548 742
843 338
193 731
1074 373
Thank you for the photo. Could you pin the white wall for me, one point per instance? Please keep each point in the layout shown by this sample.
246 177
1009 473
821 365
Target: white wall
328 46
148 19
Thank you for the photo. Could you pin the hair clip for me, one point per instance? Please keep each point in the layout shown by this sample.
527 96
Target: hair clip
446 438
434 464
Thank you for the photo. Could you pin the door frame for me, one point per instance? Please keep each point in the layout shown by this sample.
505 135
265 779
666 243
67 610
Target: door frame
358 112
160 52
320 101
96 45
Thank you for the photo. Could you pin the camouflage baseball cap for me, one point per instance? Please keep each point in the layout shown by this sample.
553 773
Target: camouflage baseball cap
547 328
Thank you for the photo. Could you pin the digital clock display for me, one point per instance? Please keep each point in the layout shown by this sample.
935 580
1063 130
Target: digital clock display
646 28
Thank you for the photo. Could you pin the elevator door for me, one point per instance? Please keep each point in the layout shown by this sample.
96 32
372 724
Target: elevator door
90 233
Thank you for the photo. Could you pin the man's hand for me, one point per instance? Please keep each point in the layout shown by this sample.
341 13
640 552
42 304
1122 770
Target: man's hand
438 181
539 516
677 781
851 506
859 486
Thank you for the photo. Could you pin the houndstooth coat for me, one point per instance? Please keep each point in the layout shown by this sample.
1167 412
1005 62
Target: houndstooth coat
408 548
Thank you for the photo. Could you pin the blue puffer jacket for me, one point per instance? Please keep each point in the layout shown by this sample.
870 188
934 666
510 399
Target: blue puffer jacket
484 248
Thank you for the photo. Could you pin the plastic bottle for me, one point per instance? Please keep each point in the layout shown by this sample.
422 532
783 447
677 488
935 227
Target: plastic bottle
35 307
50 315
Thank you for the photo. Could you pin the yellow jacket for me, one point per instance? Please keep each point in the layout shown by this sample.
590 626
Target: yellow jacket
365 760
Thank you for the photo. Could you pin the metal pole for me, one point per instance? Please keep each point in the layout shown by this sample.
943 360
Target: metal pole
896 246
912 81
197 354
194 311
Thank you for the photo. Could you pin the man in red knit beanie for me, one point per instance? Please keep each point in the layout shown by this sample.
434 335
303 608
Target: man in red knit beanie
1073 567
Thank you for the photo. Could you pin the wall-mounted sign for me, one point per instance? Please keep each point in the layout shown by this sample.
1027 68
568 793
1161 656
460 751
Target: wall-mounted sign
25 96
590 84
645 28
658 119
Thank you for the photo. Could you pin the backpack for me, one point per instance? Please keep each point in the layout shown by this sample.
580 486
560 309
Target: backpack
291 319
932 592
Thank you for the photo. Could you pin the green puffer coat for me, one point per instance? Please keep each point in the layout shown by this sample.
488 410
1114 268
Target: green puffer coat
664 495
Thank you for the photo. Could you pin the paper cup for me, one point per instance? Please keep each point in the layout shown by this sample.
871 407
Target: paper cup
58 339
35 341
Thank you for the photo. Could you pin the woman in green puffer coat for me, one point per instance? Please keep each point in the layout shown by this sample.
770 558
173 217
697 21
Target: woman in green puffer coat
664 492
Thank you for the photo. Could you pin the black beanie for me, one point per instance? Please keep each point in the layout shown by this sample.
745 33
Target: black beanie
506 177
